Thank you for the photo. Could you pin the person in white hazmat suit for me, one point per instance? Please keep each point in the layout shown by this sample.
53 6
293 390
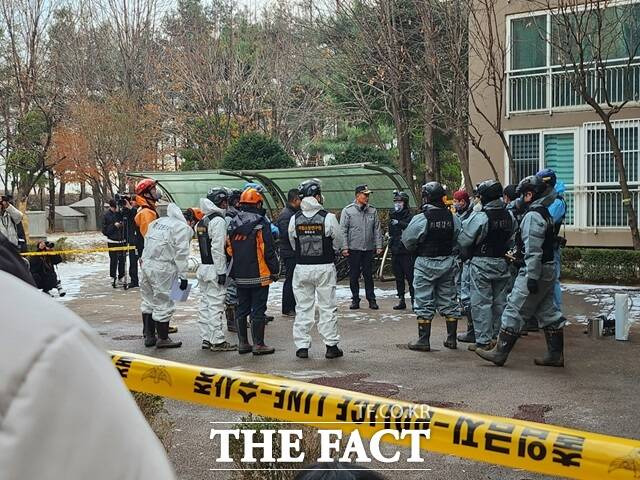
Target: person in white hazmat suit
164 259
315 236
212 272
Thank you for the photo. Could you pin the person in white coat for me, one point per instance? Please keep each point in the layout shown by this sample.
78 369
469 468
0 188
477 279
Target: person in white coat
315 236
10 218
212 272
164 259
65 412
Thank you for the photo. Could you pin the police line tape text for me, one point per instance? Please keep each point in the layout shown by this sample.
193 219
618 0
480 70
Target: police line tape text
331 443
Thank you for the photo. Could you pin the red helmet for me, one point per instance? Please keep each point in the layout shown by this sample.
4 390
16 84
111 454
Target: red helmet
250 196
144 186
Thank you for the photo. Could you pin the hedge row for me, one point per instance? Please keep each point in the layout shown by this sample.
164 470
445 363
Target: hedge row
601 265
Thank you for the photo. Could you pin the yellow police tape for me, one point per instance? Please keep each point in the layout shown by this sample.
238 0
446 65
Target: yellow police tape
78 251
514 443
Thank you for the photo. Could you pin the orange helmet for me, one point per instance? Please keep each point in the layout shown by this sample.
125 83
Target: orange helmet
144 186
193 214
250 196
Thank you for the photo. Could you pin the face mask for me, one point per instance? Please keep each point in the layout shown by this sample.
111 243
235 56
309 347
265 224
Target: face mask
158 195
397 206
460 208
477 207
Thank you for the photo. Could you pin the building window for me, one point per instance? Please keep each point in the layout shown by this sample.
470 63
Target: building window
604 196
525 152
541 75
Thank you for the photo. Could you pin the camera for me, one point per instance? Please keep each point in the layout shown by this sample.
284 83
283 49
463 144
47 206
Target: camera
121 199
49 244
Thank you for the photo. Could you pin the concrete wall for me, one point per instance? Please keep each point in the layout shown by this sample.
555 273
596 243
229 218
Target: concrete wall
37 224
90 217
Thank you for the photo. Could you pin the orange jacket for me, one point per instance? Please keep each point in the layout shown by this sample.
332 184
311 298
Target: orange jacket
146 214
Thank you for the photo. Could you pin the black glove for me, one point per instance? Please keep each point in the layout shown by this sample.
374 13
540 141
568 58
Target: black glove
222 279
532 285
183 284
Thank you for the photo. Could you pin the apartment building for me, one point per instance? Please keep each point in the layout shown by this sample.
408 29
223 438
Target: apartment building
547 124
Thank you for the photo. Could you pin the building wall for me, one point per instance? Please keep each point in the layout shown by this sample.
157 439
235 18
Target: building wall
480 170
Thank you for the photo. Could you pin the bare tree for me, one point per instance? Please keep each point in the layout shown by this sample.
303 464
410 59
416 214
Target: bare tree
596 56
488 47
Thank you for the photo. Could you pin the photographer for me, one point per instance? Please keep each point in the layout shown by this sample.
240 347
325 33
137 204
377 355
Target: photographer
129 210
113 229
10 218
43 269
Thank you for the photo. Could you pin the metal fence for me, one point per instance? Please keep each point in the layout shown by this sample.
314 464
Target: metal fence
553 88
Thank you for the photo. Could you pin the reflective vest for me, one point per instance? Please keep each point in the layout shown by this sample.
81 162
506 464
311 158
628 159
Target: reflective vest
439 239
313 246
204 241
495 243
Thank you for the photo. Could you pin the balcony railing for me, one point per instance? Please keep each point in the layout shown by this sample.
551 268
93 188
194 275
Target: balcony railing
599 206
550 89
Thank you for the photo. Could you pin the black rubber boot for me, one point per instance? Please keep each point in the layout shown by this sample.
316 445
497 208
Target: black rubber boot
243 340
452 327
555 348
149 330
401 305
355 305
373 305
470 335
333 352
163 336
230 313
302 353
257 334
424 333
499 353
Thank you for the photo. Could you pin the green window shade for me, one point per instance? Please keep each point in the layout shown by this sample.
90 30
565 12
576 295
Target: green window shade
558 155
528 44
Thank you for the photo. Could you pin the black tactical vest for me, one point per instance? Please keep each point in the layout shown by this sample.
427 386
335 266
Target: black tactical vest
313 246
495 243
204 241
549 233
439 238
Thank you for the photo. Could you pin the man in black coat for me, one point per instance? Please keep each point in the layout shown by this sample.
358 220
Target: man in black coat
286 252
43 269
113 229
129 211
402 260
11 262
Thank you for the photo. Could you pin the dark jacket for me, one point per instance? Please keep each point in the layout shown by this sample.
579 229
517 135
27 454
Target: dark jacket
403 217
43 271
282 222
11 262
129 214
109 229
251 244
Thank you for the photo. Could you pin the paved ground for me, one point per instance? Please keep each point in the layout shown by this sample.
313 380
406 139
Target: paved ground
597 391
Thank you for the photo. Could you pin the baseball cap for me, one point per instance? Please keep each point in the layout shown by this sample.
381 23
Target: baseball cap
363 189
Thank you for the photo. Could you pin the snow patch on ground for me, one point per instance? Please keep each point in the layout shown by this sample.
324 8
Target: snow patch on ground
603 297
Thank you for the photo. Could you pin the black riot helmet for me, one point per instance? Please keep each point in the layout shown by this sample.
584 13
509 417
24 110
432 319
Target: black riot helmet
310 188
433 192
532 183
234 196
489 190
401 197
218 195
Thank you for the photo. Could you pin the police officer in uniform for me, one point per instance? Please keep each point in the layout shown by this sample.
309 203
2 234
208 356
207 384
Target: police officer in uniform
315 236
432 235
402 259
462 206
488 235
212 272
532 294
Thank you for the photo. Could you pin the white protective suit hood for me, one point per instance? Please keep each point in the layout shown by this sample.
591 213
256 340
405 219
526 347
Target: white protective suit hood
310 206
207 207
174 212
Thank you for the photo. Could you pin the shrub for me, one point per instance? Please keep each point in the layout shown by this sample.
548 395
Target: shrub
362 154
152 407
601 265
255 152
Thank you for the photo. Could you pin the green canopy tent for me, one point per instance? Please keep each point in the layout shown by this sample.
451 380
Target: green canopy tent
338 183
